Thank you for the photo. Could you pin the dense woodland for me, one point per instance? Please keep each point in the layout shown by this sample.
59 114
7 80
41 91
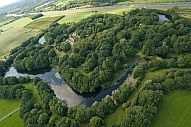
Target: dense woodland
90 55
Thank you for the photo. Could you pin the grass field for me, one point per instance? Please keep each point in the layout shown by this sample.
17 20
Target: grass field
20 30
42 23
75 15
175 110
14 34
34 91
185 13
13 121
7 106
154 1
115 118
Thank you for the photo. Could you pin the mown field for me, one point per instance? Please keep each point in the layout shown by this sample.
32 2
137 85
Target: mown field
12 121
42 23
13 35
185 13
6 107
175 110
20 30
154 1
75 15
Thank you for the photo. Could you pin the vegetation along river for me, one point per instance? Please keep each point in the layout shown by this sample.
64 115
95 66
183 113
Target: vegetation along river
63 91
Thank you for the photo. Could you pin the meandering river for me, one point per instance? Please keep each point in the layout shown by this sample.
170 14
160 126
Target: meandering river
63 91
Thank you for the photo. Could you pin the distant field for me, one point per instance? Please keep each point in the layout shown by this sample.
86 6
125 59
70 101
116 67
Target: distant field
14 34
12 121
154 1
75 15
175 110
20 30
42 23
185 13
17 24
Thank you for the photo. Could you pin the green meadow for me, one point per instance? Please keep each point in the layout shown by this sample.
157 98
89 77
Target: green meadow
175 110
13 120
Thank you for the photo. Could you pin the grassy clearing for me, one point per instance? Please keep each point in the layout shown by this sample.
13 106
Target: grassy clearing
115 118
175 110
12 121
6 106
155 75
34 91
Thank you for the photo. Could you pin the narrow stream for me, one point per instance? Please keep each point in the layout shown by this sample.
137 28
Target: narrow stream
63 91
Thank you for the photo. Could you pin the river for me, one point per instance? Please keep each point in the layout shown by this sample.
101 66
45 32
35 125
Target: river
63 91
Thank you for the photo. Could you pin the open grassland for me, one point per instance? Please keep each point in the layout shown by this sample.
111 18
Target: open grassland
184 12
42 23
9 113
20 30
14 34
12 121
115 118
75 15
153 1
175 110
7 106
34 91
16 24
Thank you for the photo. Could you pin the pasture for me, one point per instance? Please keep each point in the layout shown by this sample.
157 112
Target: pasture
154 1
14 34
42 23
175 110
34 91
21 30
6 106
184 12
116 117
12 120
75 15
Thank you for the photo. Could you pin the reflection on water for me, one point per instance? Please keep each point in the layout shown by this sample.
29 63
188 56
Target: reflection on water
163 18
42 40
53 78
63 91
